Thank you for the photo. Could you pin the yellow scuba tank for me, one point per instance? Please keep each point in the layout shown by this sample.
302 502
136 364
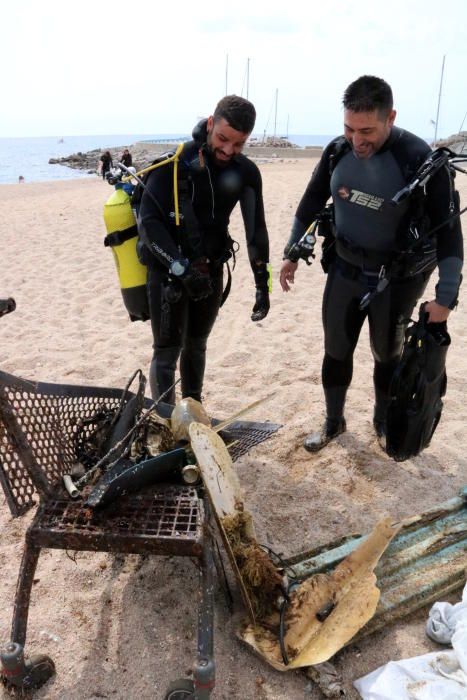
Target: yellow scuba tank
122 236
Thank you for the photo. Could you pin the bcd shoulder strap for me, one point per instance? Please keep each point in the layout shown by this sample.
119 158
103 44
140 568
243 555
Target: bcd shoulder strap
340 148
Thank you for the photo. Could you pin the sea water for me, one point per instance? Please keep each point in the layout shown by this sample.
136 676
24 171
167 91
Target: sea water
29 157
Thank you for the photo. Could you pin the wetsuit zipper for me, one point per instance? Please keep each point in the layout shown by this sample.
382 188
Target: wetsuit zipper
212 190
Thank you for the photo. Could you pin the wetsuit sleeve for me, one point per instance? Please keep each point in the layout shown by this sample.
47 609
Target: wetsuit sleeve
154 213
252 206
442 202
314 198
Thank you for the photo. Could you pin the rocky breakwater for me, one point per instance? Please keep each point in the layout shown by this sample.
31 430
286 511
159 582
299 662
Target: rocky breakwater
80 161
456 142
143 154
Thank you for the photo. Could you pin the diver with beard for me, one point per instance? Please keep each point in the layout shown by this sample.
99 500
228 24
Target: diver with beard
375 270
185 263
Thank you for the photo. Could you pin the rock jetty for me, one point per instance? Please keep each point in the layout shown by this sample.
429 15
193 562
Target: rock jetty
145 152
456 142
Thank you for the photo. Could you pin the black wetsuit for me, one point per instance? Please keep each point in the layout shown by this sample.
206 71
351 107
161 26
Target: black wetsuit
127 159
369 230
107 164
208 194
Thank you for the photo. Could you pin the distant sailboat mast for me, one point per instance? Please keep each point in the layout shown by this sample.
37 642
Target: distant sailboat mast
275 115
439 101
462 122
246 79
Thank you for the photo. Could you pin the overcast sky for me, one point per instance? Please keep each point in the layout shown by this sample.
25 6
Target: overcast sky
100 67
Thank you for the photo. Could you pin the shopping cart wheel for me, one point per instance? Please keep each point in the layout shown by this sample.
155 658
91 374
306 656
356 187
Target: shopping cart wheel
181 689
41 668
18 672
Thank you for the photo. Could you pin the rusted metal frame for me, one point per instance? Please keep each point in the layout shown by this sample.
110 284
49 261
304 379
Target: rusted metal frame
204 669
15 509
23 592
159 546
99 538
22 446
59 390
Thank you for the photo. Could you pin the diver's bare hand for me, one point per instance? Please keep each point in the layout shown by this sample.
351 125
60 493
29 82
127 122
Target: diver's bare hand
287 274
437 313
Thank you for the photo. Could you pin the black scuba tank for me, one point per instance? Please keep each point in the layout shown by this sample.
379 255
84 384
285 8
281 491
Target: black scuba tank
417 387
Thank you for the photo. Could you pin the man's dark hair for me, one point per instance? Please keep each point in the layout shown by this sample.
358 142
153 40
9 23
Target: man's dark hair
237 112
368 93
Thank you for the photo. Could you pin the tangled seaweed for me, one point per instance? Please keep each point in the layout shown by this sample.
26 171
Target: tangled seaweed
260 576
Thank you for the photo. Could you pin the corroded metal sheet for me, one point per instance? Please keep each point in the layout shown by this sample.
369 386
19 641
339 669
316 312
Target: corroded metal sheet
425 561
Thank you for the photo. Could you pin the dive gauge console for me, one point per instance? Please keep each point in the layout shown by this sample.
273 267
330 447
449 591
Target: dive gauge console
179 267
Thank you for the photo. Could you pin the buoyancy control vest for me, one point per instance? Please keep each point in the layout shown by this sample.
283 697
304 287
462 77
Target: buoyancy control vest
417 387
416 241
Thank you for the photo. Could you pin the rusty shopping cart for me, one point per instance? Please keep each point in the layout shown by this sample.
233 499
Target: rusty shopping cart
38 425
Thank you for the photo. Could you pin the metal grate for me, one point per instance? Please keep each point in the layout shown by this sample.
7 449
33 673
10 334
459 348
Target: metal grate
246 435
38 427
168 521
39 423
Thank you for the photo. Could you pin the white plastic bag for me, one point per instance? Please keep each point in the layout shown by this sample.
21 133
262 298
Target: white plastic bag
435 676
443 618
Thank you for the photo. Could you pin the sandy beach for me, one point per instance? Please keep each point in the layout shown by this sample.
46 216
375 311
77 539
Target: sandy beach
124 628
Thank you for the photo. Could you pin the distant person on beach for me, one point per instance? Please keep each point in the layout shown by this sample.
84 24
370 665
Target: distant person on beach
185 266
20 179
370 272
106 163
126 158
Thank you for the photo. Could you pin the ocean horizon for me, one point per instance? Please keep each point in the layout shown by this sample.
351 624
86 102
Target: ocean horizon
29 156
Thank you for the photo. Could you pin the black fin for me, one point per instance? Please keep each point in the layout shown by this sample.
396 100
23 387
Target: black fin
417 387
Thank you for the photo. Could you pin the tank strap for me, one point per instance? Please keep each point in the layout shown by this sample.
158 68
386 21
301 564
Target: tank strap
228 285
119 237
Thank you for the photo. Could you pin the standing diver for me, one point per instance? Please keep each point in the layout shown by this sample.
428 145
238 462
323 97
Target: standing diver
185 263
369 275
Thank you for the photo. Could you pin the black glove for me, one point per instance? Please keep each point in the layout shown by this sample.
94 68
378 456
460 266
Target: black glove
261 307
197 280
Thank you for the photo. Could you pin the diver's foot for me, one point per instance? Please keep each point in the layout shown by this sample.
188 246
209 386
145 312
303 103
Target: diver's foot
330 430
380 430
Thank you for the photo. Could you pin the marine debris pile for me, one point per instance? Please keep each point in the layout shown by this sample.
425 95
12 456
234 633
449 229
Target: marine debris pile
124 450
290 623
294 618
